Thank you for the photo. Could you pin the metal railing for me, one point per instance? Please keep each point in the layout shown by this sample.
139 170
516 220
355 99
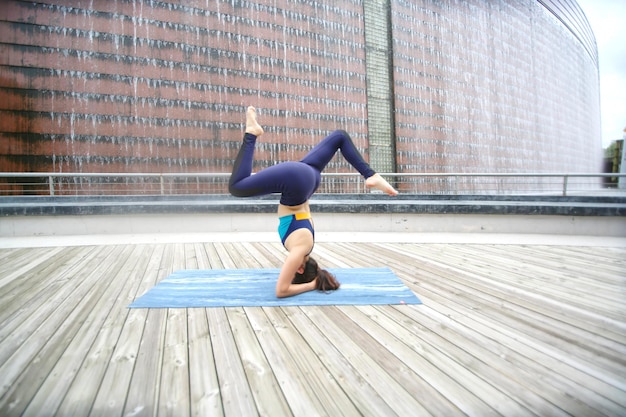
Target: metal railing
61 184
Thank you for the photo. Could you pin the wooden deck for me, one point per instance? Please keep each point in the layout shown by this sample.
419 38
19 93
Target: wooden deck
510 330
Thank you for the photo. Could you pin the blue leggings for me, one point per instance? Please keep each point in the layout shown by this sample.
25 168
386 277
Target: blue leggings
295 181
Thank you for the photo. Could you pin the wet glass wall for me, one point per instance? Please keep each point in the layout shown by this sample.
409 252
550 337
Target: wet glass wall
149 86
485 86
153 86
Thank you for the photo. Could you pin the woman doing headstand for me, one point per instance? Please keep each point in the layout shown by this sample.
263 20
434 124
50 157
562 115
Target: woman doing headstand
296 182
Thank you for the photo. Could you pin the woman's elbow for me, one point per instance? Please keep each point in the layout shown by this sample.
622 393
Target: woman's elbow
282 291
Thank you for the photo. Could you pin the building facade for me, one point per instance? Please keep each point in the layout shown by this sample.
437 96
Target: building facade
422 86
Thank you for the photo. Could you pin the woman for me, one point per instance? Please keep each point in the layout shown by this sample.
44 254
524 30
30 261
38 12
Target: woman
296 182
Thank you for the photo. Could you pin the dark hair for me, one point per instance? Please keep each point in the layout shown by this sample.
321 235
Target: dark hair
325 280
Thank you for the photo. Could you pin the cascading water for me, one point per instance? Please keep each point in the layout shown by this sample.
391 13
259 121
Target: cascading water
137 86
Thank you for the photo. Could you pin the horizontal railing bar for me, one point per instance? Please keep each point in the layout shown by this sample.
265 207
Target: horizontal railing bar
109 174
504 174
327 174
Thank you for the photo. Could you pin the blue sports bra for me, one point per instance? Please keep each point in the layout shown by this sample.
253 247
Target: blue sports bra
288 224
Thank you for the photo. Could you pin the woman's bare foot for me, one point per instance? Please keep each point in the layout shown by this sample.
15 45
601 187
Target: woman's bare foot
378 182
252 126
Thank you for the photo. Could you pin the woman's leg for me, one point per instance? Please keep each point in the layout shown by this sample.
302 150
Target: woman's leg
242 169
295 181
324 151
287 178
242 183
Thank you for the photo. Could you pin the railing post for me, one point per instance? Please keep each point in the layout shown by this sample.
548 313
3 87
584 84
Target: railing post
162 184
51 184
565 177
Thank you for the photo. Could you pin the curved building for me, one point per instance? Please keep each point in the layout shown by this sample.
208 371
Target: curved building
422 86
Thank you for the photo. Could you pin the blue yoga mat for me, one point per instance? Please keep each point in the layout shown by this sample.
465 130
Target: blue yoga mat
256 288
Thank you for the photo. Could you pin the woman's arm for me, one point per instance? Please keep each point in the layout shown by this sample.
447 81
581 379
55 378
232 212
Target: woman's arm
295 260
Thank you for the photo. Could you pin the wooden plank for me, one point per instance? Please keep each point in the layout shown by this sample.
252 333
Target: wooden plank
551 275
190 255
557 387
574 333
224 256
395 395
358 387
496 310
174 395
483 378
39 296
201 257
204 390
570 258
22 342
81 394
554 306
473 351
237 396
318 379
27 285
422 371
268 396
327 257
39 353
11 257
53 389
298 386
142 395
173 398
15 270
264 257
604 255
495 320
212 256
471 305
274 254
572 386
254 257
546 288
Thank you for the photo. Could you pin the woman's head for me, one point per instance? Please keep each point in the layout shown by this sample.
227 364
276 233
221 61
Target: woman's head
325 280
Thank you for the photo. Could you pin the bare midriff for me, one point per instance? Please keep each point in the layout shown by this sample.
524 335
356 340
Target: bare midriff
289 210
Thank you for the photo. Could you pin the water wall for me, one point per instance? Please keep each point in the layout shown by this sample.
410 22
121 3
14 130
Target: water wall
158 86
502 86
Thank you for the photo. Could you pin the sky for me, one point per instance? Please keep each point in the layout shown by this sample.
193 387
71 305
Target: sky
608 21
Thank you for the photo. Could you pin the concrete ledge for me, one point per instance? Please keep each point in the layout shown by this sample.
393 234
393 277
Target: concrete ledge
361 213
323 203
241 223
321 237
